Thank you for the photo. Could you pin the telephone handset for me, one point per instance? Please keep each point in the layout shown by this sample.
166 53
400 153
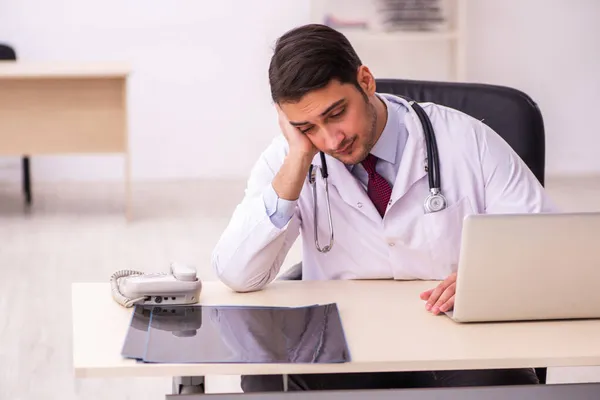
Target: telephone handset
179 286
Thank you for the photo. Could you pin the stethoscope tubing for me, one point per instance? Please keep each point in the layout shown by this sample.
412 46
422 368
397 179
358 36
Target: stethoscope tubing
433 173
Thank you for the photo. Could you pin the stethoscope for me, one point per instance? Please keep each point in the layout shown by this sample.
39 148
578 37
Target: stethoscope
434 202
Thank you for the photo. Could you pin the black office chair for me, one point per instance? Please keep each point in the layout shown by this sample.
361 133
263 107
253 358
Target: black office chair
510 112
7 53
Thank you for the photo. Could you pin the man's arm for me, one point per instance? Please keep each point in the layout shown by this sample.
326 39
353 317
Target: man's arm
265 224
262 230
510 186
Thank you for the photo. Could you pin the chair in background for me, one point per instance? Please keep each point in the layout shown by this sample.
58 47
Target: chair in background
7 53
510 112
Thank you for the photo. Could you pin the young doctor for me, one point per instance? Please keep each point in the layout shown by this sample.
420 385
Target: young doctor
376 158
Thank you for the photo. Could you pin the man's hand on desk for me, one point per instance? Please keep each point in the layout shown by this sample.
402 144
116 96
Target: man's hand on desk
441 298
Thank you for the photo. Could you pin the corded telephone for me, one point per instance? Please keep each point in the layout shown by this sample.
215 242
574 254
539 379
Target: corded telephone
179 286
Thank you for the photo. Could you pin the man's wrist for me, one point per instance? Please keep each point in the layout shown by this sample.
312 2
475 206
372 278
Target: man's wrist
301 158
280 211
290 178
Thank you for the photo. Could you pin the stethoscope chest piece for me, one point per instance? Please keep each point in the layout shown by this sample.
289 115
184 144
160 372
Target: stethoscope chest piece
435 201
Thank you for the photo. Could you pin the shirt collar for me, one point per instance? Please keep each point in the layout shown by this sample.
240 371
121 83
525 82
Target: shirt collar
387 145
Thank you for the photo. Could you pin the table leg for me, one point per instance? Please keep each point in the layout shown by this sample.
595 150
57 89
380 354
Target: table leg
26 179
128 211
188 385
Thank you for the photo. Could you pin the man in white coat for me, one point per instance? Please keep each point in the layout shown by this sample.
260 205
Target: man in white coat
376 156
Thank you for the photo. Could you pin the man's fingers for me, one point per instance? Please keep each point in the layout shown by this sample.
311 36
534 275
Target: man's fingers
425 295
444 298
435 295
449 292
449 305
437 292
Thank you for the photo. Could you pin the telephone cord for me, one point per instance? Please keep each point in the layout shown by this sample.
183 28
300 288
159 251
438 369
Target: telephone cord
116 293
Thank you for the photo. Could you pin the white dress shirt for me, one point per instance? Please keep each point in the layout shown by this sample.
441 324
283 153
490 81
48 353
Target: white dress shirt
480 173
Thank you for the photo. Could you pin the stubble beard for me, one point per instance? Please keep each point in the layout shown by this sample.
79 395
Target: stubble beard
369 138
370 142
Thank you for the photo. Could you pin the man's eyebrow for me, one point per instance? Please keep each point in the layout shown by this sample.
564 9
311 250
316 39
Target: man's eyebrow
327 110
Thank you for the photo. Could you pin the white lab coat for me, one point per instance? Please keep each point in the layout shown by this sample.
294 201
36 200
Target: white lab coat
480 173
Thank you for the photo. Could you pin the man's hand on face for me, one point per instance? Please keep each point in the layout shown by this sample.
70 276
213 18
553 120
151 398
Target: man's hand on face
289 180
299 143
441 298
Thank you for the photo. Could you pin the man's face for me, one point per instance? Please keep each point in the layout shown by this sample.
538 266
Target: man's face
337 119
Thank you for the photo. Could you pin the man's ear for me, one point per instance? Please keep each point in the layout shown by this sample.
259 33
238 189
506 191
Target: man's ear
366 80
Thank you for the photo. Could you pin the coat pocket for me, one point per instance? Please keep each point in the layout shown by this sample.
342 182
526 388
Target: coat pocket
443 231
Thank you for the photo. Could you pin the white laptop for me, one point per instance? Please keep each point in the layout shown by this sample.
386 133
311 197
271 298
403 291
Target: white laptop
528 267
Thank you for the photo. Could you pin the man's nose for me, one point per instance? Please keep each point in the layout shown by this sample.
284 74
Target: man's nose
334 139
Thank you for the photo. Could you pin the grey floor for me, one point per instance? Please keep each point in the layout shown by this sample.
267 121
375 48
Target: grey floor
77 232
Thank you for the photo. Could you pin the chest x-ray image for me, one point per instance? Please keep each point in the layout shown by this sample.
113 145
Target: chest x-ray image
236 334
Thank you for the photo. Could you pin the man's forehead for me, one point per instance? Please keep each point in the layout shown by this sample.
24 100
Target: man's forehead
315 104
313 109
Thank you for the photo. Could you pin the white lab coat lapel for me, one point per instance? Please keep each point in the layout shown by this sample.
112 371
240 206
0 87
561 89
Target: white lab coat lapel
414 157
348 187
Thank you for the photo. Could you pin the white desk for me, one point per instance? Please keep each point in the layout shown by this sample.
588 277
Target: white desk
49 108
385 323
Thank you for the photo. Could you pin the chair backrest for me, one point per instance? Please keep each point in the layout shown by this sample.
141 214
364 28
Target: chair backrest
7 52
510 112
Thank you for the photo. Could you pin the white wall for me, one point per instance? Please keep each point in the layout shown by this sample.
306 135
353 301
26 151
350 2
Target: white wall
549 49
199 91
192 60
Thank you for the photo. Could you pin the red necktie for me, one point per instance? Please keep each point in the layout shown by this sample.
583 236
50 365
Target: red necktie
378 189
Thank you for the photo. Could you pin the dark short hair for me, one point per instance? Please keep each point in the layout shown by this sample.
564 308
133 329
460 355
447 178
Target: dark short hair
308 58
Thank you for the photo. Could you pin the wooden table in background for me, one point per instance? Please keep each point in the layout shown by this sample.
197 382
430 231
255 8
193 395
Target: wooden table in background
61 109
